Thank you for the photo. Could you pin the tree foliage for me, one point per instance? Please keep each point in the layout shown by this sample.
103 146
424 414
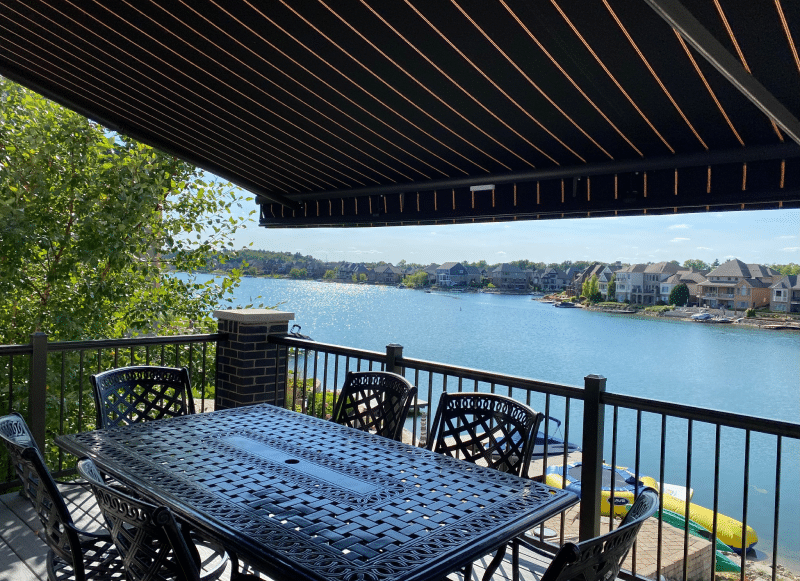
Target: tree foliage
786 269
611 293
416 280
696 264
679 295
92 224
591 289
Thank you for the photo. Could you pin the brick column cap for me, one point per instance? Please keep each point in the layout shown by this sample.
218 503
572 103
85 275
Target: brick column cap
254 316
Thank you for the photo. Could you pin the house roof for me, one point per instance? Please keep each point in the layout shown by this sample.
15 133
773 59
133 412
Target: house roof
508 268
449 265
790 281
391 112
737 268
661 268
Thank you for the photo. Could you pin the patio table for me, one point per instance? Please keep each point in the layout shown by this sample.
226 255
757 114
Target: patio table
306 498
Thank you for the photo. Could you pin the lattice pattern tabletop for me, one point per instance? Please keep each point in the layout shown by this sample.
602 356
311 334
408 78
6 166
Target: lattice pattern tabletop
310 498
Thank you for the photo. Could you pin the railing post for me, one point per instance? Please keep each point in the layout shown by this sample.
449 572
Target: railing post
592 456
393 353
250 370
37 390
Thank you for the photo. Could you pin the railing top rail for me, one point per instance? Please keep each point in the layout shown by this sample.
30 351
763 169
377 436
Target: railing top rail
492 377
729 419
311 345
16 349
134 342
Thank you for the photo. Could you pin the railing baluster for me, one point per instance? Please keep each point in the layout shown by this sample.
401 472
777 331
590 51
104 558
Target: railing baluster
717 454
745 496
775 530
688 484
661 469
614 417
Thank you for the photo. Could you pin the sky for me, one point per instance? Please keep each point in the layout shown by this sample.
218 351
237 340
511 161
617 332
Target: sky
762 237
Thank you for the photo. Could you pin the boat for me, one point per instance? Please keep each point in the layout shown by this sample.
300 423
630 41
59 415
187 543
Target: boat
553 445
626 487
701 317
565 304
729 530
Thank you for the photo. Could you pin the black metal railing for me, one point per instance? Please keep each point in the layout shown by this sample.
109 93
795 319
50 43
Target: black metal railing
48 382
689 446
675 444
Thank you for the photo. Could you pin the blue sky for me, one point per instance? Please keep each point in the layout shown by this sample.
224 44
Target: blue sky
765 236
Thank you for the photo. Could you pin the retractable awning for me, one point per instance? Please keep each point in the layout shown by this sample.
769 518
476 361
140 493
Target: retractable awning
383 112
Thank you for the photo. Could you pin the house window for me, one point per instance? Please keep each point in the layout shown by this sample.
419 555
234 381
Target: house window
744 291
779 293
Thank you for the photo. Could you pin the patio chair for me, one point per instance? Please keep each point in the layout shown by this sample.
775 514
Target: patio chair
374 401
600 558
488 429
135 394
151 544
485 428
74 553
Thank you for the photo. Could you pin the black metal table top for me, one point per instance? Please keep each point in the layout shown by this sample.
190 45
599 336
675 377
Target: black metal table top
306 497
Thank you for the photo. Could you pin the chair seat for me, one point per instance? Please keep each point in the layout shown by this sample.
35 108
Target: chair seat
100 560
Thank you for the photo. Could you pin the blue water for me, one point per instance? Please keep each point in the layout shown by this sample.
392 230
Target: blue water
723 367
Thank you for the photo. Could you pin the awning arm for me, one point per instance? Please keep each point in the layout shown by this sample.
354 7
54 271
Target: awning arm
677 16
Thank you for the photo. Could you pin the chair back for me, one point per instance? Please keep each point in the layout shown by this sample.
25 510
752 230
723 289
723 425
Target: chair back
600 558
149 542
374 401
58 529
130 395
485 426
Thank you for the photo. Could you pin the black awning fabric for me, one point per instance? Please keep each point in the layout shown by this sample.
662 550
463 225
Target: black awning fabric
377 112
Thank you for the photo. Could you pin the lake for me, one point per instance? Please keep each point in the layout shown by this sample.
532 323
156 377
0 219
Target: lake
724 367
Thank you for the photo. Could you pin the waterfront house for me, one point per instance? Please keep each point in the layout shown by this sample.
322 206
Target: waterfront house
751 293
785 295
431 271
594 269
508 277
474 276
719 290
387 274
347 270
641 283
451 274
553 280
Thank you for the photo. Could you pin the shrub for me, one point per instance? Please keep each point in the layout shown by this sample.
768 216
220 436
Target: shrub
750 313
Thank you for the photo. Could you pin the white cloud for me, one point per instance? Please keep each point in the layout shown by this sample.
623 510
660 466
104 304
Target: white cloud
790 237
680 239
679 227
791 249
501 252
704 248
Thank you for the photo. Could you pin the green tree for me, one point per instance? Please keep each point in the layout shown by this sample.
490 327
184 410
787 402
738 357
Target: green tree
611 293
416 280
696 264
591 289
298 273
786 269
715 264
679 295
93 224
329 275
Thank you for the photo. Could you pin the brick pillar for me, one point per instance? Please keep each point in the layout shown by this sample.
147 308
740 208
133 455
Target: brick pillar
250 370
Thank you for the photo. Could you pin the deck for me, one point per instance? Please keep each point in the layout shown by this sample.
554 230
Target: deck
22 552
